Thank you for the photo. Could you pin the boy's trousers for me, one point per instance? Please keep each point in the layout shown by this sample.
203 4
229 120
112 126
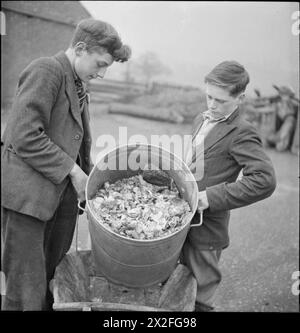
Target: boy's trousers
204 264
31 250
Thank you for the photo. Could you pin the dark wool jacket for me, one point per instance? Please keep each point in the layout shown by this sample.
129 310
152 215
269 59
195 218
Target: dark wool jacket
231 146
44 136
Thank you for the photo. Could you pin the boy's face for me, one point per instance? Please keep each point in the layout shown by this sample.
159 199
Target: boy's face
219 101
90 65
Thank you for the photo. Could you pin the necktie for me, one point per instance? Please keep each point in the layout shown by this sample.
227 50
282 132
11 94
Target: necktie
81 92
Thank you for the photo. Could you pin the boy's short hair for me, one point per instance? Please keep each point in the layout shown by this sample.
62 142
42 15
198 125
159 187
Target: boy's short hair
229 75
96 33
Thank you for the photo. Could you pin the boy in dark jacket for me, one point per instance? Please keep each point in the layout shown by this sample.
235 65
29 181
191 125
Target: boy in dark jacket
224 144
46 160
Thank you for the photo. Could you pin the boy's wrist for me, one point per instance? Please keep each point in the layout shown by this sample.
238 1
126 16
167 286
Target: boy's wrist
202 200
74 170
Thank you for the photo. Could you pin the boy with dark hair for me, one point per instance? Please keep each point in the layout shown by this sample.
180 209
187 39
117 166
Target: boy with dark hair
46 160
230 145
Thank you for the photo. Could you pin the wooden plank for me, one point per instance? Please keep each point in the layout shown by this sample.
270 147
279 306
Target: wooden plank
150 113
100 291
152 295
179 293
77 288
71 279
104 291
115 293
80 306
133 296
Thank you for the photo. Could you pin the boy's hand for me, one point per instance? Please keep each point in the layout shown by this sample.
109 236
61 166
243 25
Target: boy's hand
79 179
202 201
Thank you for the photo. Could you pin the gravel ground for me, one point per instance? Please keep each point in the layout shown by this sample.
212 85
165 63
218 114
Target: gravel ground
264 252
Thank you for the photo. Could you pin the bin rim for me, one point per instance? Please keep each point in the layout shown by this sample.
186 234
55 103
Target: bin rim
90 210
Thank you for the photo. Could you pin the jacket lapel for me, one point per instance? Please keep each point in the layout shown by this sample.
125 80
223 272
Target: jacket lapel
70 86
216 134
86 126
198 121
219 131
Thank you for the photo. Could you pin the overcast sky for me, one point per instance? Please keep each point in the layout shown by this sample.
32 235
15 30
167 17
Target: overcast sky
192 37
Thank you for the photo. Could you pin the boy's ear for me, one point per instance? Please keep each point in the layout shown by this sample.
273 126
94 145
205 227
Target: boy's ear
241 97
79 48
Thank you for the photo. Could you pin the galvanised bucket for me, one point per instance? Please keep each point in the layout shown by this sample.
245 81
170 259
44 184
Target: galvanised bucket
134 262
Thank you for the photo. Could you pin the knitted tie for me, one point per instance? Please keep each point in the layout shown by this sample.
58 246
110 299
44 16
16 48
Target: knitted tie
81 92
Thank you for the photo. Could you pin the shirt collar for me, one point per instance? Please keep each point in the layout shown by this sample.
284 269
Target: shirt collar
207 116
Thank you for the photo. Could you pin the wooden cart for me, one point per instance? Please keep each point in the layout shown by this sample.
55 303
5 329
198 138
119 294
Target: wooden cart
75 287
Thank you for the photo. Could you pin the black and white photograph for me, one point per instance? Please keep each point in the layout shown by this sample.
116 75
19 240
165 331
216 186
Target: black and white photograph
150 159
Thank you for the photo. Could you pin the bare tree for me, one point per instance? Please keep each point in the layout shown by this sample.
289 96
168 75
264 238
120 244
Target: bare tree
148 65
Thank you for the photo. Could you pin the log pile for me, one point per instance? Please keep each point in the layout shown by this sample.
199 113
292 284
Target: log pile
162 114
173 105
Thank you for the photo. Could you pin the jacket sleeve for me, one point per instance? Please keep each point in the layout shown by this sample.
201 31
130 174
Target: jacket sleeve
38 87
258 181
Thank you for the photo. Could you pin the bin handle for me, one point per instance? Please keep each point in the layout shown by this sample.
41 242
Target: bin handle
80 208
201 220
77 222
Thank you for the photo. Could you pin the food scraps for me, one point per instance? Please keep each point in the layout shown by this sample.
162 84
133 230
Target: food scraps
137 209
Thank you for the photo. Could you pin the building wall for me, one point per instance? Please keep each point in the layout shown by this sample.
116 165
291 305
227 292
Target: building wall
30 36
